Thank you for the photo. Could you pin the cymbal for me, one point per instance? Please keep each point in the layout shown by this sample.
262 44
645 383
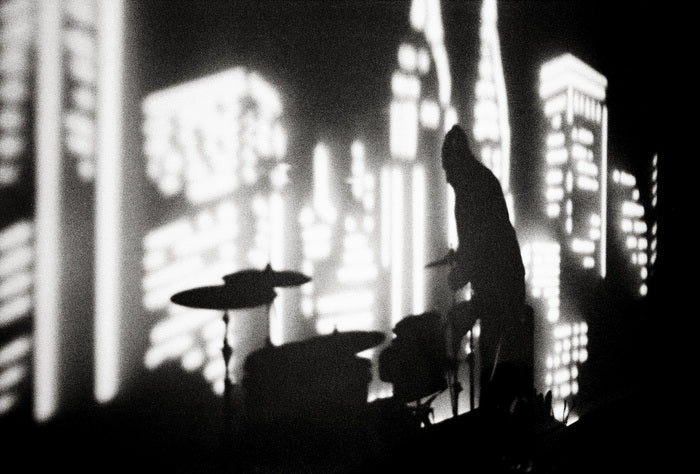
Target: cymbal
450 257
266 278
224 297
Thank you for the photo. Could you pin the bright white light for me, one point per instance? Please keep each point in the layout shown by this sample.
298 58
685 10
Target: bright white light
555 140
405 86
404 129
277 260
108 202
418 14
450 118
322 187
569 71
385 184
48 209
418 226
588 262
356 321
587 184
408 57
557 156
452 236
587 168
15 350
347 301
429 114
555 176
553 210
397 233
555 105
554 194
7 401
582 246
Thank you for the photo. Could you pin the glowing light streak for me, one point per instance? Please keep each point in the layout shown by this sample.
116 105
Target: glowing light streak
385 185
397 232
15 350
418 225
16 284
12 376
277 260
404 129
48 209
108 200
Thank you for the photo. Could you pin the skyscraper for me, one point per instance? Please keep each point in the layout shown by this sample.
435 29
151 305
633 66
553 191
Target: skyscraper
576 158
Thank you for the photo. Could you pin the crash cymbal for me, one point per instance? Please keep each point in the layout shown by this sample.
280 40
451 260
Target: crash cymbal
266 278
224 297
449 258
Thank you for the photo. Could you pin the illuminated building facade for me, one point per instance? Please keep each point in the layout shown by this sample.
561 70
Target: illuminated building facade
421 112
491 128
630 230
576 204
17 33
576 158
218 145
16 304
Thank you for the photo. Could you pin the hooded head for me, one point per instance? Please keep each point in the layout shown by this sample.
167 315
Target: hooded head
456 154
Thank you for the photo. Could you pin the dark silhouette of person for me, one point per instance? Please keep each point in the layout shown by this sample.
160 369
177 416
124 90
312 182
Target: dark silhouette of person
489 257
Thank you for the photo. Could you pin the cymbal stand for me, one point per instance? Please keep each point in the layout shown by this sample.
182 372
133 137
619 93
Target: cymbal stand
227 352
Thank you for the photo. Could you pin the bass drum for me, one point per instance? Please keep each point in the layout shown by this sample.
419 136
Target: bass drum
305 400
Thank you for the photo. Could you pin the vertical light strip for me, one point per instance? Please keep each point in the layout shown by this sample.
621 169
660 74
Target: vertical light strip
452 237
277 261
108 193
48 209
418 225
569 105
397 236
385 184
604 193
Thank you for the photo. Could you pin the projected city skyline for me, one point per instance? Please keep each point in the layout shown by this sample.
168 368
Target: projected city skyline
220 157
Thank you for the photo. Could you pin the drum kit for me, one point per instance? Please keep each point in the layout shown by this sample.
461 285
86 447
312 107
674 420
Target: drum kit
319 376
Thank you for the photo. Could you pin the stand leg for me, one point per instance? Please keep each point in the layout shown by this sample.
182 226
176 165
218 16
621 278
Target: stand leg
227 442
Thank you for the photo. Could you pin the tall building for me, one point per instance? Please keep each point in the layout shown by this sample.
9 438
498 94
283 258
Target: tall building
630 230
576 159
491 128
575 197
420 113
217 144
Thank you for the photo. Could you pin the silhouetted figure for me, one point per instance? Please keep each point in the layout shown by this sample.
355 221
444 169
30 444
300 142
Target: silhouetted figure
489 257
